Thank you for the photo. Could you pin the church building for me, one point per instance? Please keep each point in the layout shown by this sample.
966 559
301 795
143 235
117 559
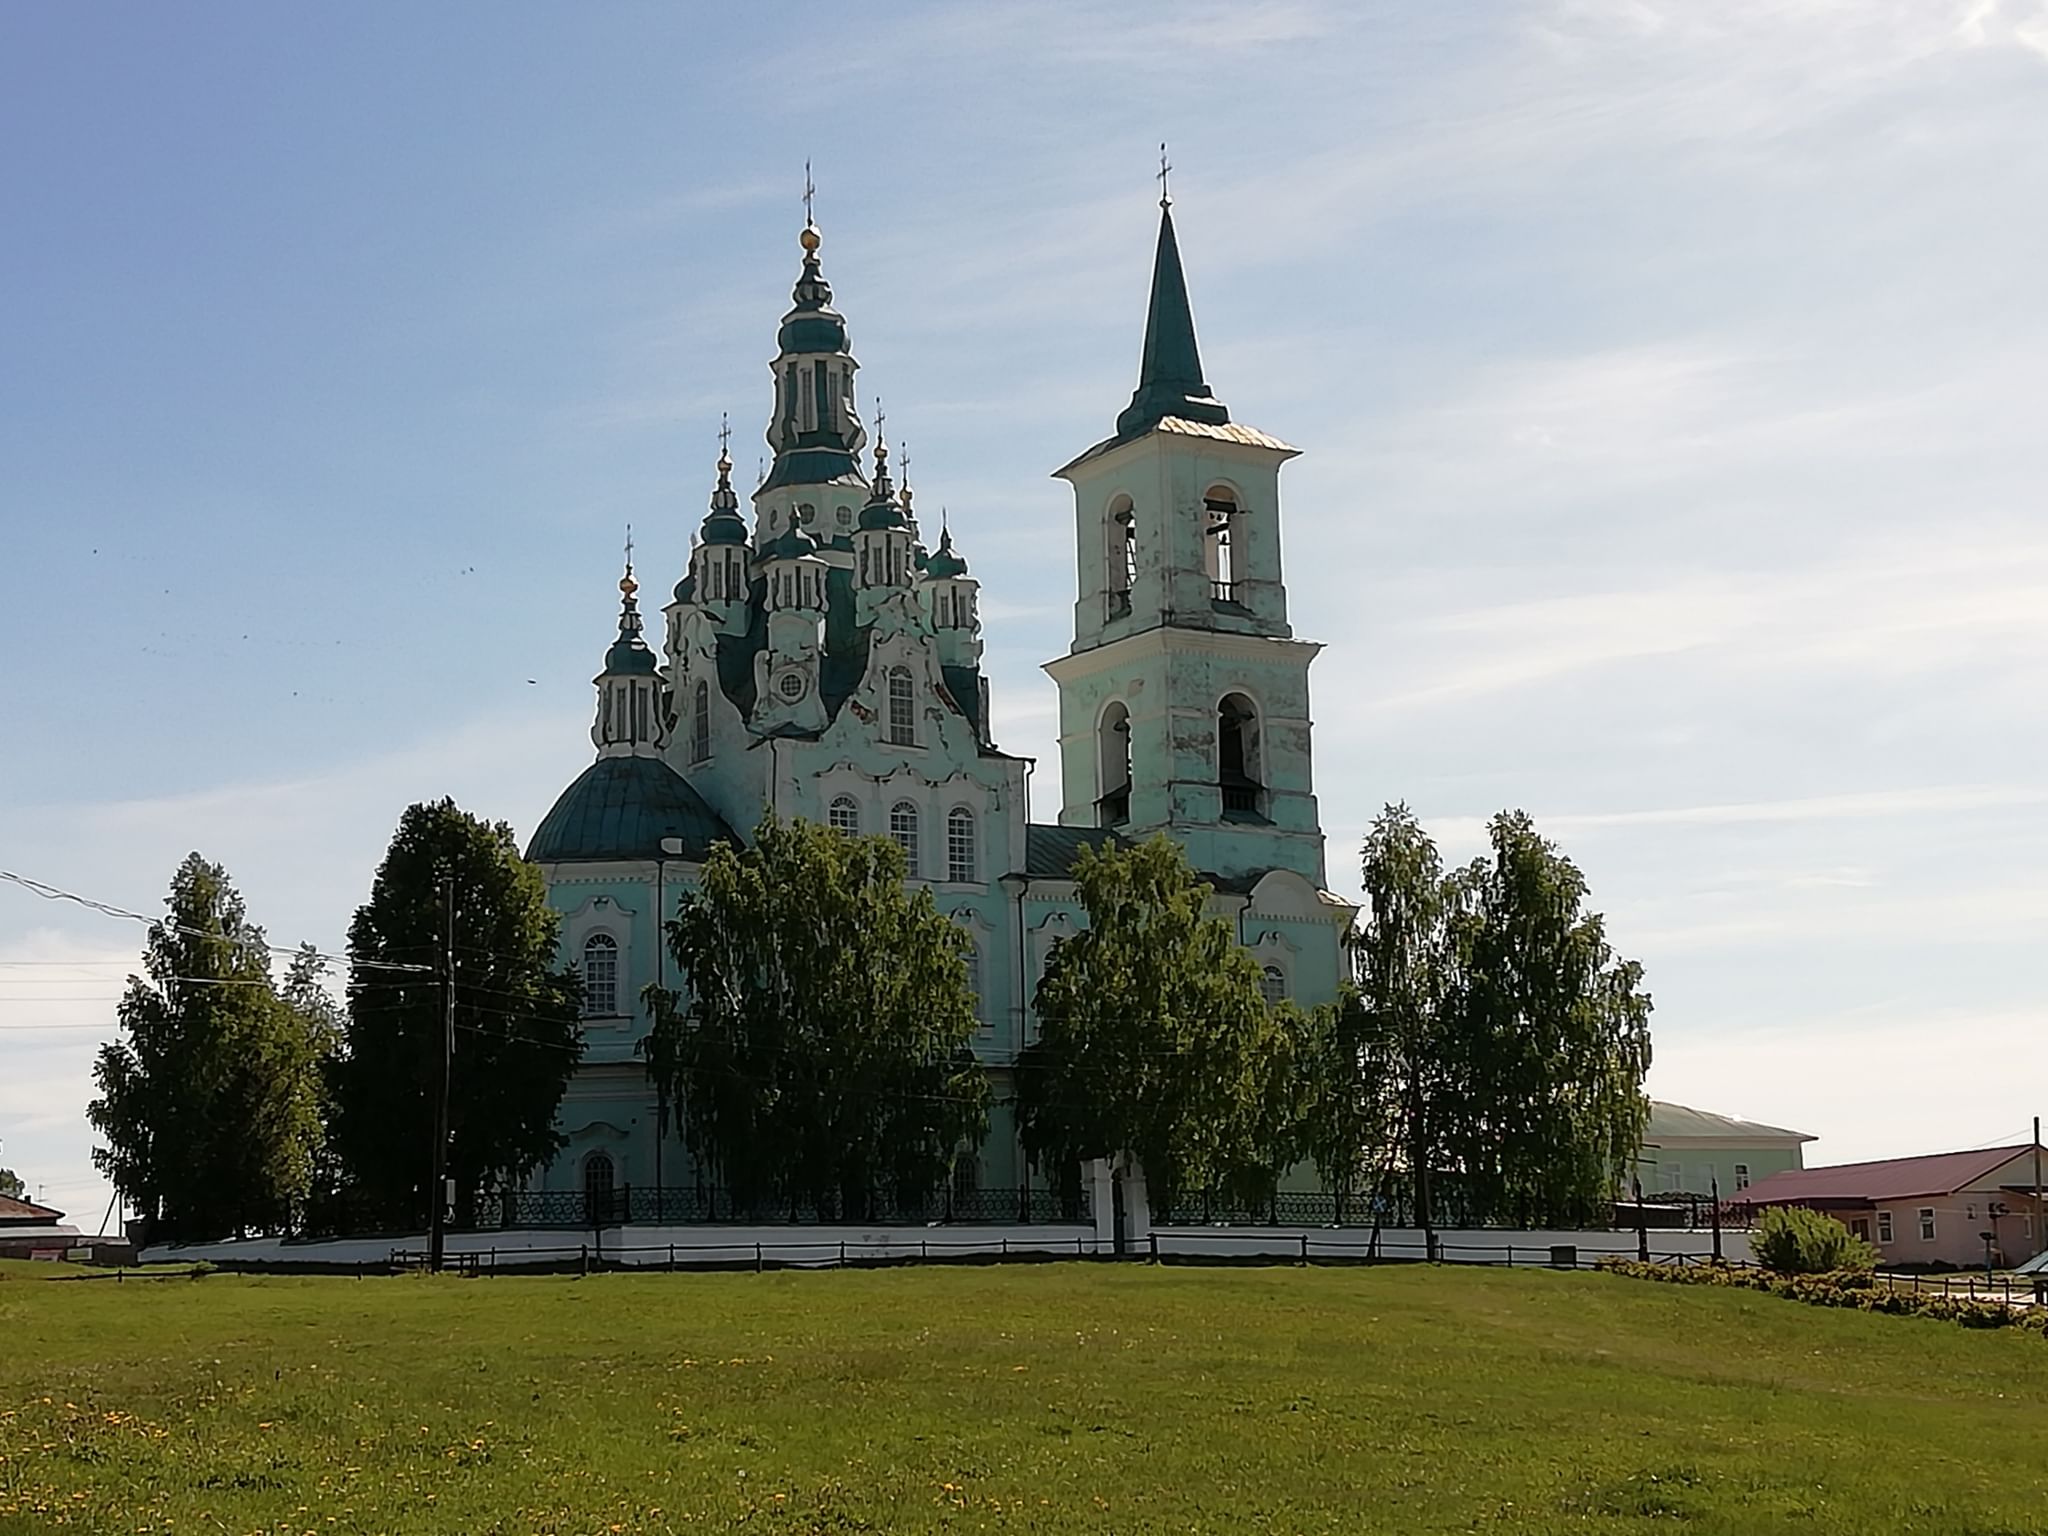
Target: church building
823 661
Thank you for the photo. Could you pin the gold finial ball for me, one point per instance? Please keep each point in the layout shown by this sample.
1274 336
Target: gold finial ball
628 585
809 239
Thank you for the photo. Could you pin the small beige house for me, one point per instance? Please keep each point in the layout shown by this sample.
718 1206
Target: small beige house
1925 1210
1690 1151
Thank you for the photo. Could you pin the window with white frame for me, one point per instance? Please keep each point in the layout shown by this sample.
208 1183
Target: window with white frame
1674 1177
902 708
960 844
903 827
1884 1226
600 975
1273 985
1926 1223
1742 1175
844 815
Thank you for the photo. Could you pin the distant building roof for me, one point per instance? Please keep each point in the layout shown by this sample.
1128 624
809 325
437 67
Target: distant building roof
1673 1122
25 1213
1892 1178
622 808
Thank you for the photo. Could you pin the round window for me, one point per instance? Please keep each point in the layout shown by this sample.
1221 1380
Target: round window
846 517
790 685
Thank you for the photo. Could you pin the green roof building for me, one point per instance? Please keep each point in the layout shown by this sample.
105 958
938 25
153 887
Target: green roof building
815 660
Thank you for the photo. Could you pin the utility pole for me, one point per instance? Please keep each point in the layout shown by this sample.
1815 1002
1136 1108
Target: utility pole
2040 1236
437 1191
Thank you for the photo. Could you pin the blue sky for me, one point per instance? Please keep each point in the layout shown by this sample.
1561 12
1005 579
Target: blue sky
1669 378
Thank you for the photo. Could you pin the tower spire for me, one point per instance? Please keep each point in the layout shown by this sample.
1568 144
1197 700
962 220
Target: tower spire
1170 381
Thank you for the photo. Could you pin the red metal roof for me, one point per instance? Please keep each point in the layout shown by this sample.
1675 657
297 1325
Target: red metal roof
1892 1178
12 1209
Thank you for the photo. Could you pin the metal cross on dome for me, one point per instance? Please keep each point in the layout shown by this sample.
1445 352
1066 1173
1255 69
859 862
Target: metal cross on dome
1164 167
725 434
810 191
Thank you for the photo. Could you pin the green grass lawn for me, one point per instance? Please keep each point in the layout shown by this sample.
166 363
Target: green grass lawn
1061 1397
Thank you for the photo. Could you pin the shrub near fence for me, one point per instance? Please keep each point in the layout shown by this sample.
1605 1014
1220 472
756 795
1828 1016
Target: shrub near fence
1861 1289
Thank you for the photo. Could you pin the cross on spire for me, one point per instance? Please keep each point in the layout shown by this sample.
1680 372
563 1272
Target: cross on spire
810 191
629 549
1164 167
881 418
725 435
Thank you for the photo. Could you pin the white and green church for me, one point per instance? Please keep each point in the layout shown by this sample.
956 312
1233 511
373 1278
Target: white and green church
820 661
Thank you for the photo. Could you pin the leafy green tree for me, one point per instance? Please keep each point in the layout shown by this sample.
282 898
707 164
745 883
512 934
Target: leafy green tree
817 1051
326 1025
1381 1070
210 1105
1154 1038
11 1185
1549 1038
517 1034
1493 1054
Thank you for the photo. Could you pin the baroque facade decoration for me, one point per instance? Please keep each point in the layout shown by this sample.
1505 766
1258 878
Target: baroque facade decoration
825 664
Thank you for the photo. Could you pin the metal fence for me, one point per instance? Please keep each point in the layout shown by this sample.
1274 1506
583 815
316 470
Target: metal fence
1396 1205
695 1205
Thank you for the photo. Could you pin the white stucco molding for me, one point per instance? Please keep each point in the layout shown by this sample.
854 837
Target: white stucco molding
1224 645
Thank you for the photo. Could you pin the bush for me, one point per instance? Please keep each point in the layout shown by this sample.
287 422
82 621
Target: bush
1790 1240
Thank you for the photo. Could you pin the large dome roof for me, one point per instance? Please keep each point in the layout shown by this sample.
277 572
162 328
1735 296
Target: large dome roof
622 808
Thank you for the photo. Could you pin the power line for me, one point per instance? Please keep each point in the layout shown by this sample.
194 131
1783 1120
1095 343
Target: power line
50 892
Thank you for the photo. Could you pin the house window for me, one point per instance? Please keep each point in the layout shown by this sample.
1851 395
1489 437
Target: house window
1884 1226
960 844
844 816
1860 1228
1273 985
700 723
903 827
1926 1223
1674 1177
600 976
599 1180
902 708
1742 1175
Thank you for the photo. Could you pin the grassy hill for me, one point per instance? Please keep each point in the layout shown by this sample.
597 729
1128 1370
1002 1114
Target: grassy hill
1029 1398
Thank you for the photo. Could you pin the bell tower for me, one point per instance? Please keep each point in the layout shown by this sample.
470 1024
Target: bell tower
1184 703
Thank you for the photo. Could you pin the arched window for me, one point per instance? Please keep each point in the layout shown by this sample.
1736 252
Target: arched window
1113 760
966 1176
903 827
1219 521
600 1179
959 844
1237 756
1273 985
600 976
902 708
1120 554
700 723
844 816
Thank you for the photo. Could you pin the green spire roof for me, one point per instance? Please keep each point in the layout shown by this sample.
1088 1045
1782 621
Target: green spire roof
1170 381
945 561
882 510
723 524
629 652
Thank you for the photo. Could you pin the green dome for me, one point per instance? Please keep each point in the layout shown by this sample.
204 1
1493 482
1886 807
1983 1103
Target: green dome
629 654
811 331
945 562
622 808
724 528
